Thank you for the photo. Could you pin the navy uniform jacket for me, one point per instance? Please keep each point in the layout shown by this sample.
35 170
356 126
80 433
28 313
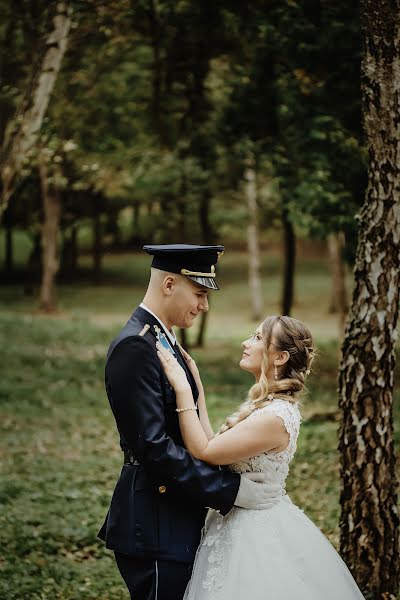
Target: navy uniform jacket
158 506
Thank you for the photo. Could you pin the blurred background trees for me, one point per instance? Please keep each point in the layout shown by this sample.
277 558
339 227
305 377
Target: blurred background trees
160 121
157 110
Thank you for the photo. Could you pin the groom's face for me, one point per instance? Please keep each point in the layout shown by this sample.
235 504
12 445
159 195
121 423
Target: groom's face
187 301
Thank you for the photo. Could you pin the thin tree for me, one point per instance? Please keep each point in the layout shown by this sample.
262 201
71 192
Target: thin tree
289 241
253 246
51 202
369 519
338 303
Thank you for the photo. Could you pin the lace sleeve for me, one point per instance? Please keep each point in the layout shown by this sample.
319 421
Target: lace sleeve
290 415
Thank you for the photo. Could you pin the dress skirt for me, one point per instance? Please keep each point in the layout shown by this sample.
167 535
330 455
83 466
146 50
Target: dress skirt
273 554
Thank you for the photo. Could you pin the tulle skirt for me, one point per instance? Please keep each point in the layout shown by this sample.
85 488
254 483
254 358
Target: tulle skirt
275 554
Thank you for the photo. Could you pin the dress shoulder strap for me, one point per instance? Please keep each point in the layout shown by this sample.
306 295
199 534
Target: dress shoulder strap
289 413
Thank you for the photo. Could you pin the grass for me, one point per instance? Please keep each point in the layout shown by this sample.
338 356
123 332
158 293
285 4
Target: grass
59 448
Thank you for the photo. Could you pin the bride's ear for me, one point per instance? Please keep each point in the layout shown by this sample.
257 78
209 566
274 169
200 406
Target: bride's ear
282 358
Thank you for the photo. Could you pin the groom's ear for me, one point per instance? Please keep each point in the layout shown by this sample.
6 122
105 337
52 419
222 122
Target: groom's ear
168 284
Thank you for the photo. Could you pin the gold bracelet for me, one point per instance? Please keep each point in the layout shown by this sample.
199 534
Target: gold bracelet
178 410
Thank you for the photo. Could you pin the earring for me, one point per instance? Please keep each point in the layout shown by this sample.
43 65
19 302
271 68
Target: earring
275 372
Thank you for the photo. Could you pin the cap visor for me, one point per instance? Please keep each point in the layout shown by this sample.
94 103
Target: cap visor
208 282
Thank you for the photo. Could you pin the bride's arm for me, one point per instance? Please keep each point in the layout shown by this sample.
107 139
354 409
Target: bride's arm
201 401
203 414
248 438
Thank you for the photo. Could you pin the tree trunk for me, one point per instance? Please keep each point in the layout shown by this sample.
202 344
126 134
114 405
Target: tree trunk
207 231
8 244
253 248
112 227
74 248
338 303
97 244
181 209
136 222
69 252
369 520
156 33
33 266
290 261
22 132
51 214
202 329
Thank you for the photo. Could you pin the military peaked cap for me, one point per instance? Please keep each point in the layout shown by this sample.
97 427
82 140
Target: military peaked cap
196 262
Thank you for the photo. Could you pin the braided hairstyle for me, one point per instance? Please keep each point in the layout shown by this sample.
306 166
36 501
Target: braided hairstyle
289 335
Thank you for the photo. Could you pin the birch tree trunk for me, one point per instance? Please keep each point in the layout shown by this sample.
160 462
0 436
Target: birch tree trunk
253 247
338 302
50 228
369 520
21 134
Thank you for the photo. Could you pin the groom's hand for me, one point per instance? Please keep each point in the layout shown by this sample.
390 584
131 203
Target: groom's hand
255 494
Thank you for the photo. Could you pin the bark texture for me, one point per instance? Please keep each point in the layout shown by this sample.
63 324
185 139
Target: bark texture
369 519
18 141
50 228
253 247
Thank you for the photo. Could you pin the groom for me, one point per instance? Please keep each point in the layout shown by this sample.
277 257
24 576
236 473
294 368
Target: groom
158 507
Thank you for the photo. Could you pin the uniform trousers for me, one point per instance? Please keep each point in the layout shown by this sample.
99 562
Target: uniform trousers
153 579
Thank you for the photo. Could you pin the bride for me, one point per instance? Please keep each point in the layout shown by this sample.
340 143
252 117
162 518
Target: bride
278 553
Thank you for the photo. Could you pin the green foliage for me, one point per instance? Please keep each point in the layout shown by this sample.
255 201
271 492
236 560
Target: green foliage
158 105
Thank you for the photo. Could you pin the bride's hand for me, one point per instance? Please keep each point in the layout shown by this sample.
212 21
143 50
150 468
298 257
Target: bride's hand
192 366
173 370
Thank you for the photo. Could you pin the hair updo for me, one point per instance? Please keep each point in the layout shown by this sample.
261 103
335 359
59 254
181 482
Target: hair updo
289 335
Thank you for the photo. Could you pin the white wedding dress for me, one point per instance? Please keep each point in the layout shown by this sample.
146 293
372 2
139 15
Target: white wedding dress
272 554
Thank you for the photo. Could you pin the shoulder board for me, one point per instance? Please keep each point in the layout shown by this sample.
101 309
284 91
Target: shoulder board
144 330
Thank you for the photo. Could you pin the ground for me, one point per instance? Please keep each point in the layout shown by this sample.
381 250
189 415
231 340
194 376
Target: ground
59 448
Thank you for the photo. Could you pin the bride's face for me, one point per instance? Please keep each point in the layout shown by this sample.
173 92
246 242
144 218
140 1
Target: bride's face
253 353
253 350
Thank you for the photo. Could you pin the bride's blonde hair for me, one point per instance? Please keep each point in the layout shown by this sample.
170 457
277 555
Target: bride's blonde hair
292 336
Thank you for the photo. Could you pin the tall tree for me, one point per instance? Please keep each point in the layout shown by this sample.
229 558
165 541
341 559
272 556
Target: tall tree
253 247
21 134
289 240
369 520
338 303
51 201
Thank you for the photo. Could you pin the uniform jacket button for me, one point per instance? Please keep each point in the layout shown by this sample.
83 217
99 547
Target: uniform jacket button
162 489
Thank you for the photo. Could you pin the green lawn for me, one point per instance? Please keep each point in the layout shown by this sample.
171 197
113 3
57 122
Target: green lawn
58 446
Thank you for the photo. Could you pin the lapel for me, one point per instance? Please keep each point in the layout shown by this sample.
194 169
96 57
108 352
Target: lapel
146 318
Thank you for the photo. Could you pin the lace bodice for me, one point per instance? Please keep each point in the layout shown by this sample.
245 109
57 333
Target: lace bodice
275 464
